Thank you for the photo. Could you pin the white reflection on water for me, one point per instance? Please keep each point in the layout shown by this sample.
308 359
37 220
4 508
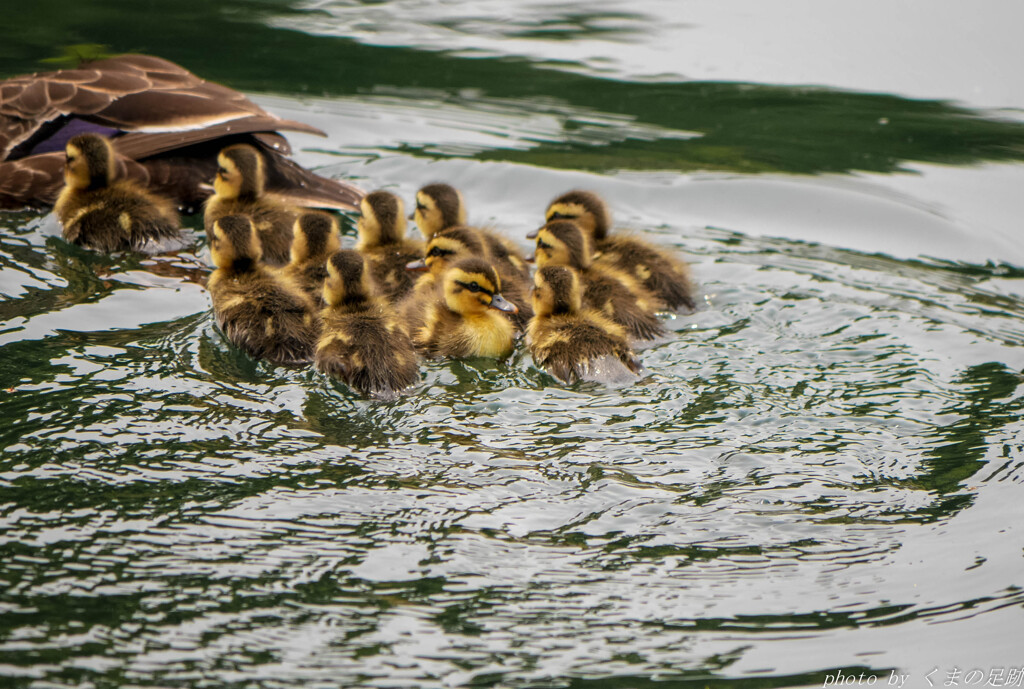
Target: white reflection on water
863 45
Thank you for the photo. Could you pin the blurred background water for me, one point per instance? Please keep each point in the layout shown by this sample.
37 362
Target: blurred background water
820 473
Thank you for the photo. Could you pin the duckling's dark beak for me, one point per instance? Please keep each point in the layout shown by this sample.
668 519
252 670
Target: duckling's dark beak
418 264
532 258
533 233
502 304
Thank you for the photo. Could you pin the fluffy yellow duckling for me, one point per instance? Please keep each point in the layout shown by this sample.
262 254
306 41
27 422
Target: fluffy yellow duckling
315 236
107 214
570 342
456 243
383 243
440 206
362 342
605 288
465 319
259 311
664 274
240 189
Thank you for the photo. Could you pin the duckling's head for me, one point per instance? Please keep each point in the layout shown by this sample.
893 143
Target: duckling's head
89 162
584 208
240 173
382 220
438 206
562 243
471 286
234 243
348 281
315 236
556 290
449 246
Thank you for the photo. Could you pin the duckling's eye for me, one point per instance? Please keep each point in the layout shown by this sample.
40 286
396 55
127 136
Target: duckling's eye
560 216
223 172
438 252
541 244
420 207
473 287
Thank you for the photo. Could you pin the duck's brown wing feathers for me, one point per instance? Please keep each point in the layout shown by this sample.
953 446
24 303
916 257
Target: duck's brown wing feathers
160 114
129 93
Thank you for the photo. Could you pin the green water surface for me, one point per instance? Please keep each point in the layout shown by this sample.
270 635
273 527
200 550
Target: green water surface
818 473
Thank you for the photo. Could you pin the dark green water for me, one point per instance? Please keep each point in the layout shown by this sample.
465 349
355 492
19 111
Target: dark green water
820 473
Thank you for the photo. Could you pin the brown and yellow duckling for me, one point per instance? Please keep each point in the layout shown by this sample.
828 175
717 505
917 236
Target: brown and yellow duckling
240 189
362 342
440 206
466 317
605 288
451 245
662 273
573 343
382 242
107 214
259 311
315 236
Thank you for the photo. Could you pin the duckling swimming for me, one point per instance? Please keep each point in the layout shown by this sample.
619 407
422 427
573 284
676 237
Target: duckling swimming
108 214
315 237
465 319
440 206
570 342
239 189
259 311
456 243
383 243
611 291
665 275
362 342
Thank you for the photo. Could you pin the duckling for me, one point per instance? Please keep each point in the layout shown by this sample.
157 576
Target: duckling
108 214
455 243
166 125
259 311
315 237
570 342
239 188
464 320
383 243
665 275
605 288
362 341
440 206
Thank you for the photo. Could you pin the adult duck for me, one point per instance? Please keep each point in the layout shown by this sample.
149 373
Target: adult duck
166 124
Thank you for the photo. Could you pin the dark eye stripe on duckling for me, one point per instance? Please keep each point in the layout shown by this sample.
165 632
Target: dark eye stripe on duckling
475 287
